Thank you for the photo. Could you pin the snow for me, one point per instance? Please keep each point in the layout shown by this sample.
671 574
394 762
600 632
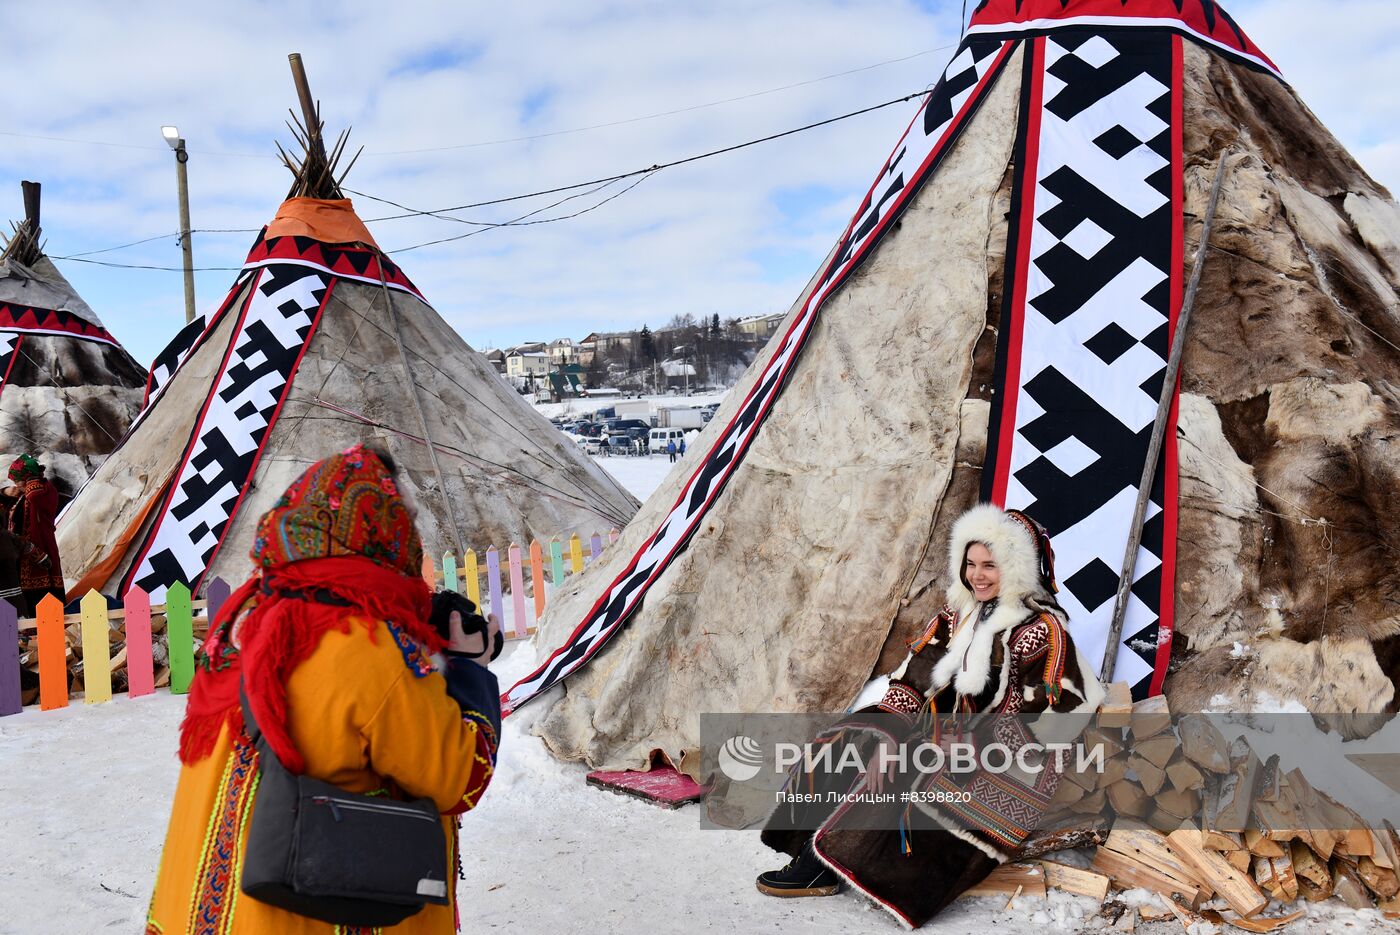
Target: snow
641 475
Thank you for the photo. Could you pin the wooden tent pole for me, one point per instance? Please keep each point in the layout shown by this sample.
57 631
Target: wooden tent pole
31 206
309 114
1159 430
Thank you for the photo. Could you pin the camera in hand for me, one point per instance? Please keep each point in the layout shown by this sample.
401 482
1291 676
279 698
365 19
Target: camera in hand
444 603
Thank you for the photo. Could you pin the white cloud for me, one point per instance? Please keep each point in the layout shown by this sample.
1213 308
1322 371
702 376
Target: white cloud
737 234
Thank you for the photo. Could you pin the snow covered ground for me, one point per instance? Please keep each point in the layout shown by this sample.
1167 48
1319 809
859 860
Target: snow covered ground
84 798
85 791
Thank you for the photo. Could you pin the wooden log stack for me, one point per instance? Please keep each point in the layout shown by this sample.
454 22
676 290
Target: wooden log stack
1209 826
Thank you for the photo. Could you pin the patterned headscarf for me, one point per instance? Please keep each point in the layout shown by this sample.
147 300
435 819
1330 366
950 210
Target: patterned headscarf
24 468
338 545
347 504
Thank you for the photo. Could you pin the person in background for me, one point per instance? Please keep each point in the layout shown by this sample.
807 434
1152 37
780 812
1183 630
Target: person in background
331 639
671 450
681 450
31 512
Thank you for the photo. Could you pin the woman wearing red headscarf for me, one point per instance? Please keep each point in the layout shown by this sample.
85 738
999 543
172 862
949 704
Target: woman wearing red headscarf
32 515
331 642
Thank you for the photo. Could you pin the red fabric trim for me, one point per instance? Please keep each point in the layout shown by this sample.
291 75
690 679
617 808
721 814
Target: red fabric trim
1166 621
1025 226
1204 19
51 322
346 261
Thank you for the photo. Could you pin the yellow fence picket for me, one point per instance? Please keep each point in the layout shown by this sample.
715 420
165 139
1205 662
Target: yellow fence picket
97 657
537 577
473 578
576 553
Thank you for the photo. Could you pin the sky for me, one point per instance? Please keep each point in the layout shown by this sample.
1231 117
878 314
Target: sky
458 103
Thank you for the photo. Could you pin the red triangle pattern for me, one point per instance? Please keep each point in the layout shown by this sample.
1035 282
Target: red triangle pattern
50 321
340 259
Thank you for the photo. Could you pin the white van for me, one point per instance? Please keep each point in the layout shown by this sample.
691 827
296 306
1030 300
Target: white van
658 438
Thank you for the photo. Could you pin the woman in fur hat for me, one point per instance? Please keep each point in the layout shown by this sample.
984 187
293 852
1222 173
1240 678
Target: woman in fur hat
1000 647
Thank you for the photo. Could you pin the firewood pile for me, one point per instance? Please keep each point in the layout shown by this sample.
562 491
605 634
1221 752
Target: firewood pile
29 654
1211 829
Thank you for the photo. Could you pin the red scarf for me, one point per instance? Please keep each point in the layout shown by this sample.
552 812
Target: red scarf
340 532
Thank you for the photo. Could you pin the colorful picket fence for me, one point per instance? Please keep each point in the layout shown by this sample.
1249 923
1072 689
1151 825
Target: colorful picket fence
518 591
184 621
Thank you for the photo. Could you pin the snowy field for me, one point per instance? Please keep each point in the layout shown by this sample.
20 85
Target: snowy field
84 799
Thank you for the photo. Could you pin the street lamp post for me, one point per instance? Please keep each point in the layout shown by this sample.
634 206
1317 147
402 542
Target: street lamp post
172 137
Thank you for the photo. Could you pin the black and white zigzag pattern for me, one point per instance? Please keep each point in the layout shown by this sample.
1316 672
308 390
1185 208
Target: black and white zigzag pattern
9 340
276 324
1095 326
945 113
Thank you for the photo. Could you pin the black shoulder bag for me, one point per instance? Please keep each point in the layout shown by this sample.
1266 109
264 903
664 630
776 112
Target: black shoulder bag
349 859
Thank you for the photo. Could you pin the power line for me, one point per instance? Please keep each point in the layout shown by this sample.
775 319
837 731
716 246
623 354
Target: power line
650 170
594 184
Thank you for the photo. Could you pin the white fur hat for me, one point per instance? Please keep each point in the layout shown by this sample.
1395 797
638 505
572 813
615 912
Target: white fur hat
1015 541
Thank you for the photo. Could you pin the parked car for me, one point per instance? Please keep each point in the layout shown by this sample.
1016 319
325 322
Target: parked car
628 427
594 446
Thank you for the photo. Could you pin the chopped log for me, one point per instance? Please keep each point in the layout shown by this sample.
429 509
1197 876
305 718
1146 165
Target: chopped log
1184 776
1347 886
1261 845
1158 750
1391 907
1355 838
1150 776
1203 744
1222 840
1312 892
1307 865
1275 875
1269 777
1091 804
1084 834
1236 793
1067 793
1151 716
1387 853
1240 859
1005 879
1113 771
1086 779
1150 847
1117 707
1263 925
1128 798
1127 873
1180 804
1075 880
1384 883
1238 890
1317 819
1110 740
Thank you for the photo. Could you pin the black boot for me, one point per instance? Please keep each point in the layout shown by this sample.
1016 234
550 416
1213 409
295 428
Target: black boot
804 875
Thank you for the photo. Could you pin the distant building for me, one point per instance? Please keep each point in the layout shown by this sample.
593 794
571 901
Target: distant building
524 364
761 327
605 341
497 358
586 351
562 351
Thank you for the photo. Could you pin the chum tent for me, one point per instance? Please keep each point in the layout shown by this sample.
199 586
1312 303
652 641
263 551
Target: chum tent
322 342
68 389
995 324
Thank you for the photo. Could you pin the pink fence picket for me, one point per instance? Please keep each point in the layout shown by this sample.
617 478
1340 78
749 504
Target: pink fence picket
517 591
612 536
140 670
10 700
537 577
493 583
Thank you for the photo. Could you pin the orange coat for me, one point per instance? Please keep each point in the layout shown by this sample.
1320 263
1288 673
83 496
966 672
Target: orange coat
366 712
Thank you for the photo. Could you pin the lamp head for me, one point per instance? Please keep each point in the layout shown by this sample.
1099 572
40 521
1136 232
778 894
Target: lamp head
172 136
